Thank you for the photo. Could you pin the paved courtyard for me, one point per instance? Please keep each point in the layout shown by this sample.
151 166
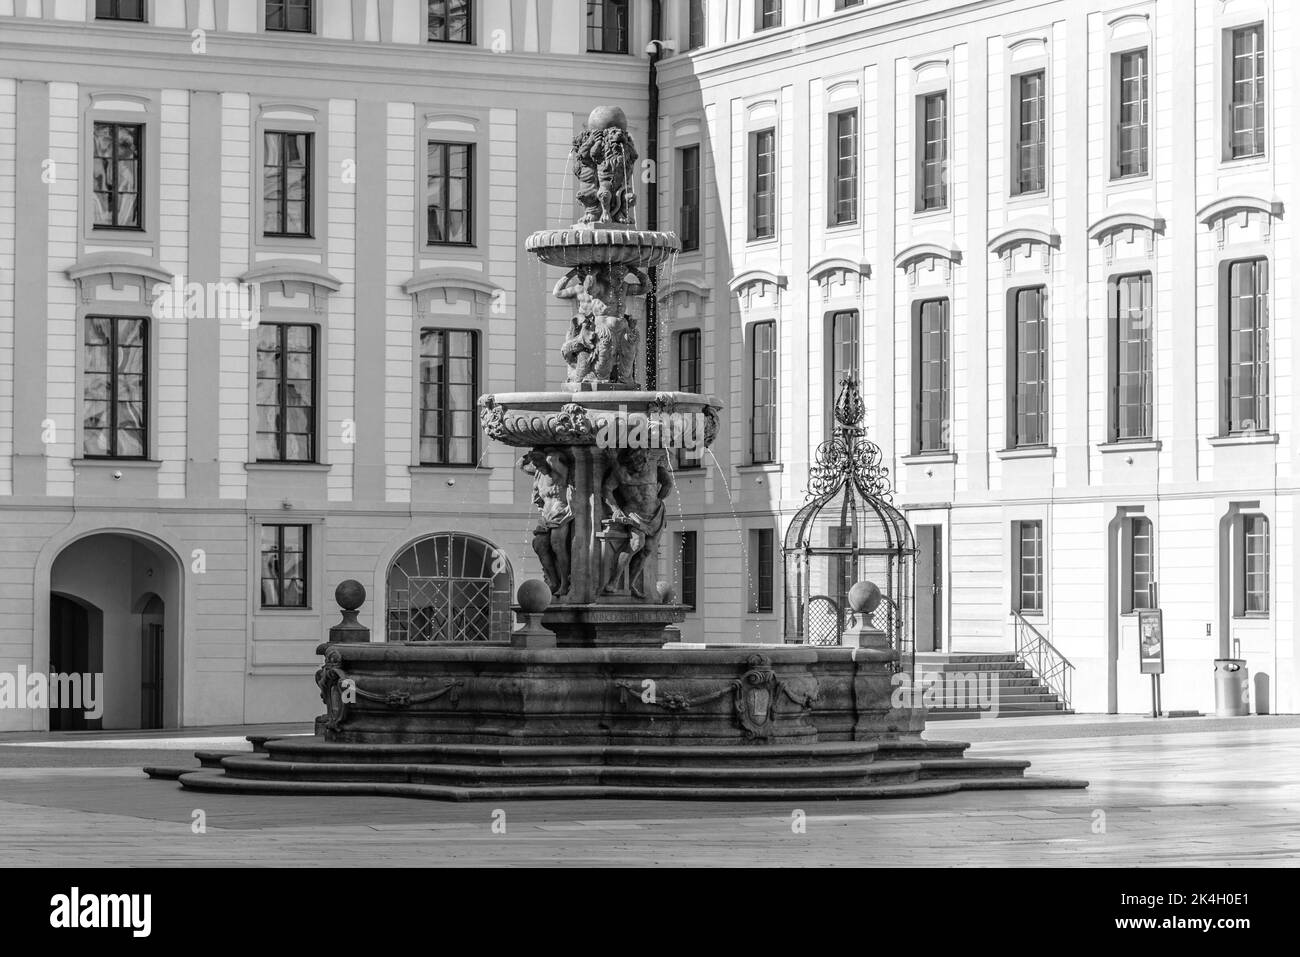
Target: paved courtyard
1191 791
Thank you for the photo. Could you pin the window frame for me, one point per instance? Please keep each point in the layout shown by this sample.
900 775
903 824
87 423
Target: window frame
1014 381
755 193
772 355
919 362
1038 573
762 14
1227 333
762 596
606 7
306 529
694 40
1242 572
141 187
835 343
471 185
471 22
285 5
690 243
1117 106
282 406
1138 528
1228 84
309 186
1018 143
937 165
116 5
689 596
1115 364
145 391
835 178
445 436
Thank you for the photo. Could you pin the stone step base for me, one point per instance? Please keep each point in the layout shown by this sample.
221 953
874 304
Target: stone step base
963 714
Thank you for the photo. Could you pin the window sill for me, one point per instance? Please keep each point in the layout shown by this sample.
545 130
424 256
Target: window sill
281 612
761 242
760 467
1027 199
1229 163
939 212
1033 617
1132 180
286 466
1028 452
449 470
1252 616
140 464
1128 445
930 458
837 228
1225 441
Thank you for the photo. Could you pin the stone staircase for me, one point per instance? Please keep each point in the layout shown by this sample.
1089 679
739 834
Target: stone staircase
461 772
1019 693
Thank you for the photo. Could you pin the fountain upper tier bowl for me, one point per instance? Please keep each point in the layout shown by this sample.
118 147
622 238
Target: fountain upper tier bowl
590 244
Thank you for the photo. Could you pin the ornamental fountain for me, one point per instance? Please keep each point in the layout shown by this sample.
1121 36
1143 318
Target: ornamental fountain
593 695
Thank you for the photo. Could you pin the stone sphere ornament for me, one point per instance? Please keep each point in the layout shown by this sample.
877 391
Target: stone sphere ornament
864 597
607 117
350 594
533 596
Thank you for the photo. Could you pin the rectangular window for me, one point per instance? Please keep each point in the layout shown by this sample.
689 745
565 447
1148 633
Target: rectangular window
1246 96
934 152
689 568
762 570
119 10
1031 133
845 4
769 14
762 416
1254 565
450 21
118 183
115 418
290 16
1140 567
1132 123
1130 299
689 379
843 329
286 393
607 26
931 376
844 168
448 393
688 225
762 184
284 565
1027 589
1247 347
1029 381
450 196
695 36
286 184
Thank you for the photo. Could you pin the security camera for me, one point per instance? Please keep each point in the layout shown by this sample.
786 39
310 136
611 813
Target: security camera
665 46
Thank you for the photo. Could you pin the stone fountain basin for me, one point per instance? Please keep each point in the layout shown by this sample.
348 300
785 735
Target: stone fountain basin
599 244
480 692
612 418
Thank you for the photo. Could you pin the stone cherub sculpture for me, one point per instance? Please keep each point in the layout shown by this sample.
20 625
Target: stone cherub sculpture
605 167
551 496
634 490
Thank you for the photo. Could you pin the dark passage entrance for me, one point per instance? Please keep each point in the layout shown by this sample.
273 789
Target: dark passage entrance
76 646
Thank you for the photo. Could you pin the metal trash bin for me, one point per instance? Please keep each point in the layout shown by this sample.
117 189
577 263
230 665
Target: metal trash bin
1231 688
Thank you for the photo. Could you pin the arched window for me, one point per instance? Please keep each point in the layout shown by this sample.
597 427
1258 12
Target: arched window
449 587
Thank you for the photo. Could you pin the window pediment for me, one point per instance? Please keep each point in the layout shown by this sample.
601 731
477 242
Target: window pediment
685 285
1241 209
117 270
759 283
840 271
923 257
450 286
1031 238
1126 226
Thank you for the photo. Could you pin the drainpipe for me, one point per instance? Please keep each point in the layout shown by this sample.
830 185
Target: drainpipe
652 210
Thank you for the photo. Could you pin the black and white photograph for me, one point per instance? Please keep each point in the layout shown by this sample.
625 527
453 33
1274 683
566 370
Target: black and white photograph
674 434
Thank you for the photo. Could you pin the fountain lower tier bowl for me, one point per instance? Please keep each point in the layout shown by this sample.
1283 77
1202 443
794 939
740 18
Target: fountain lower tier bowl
592 245
473 721
610 419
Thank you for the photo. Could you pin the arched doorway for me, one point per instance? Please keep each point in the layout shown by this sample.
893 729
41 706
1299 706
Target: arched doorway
115 620
449 587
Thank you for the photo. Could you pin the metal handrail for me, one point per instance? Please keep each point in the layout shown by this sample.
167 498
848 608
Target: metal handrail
1043 659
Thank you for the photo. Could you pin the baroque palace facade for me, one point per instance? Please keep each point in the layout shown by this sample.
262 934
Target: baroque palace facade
257 258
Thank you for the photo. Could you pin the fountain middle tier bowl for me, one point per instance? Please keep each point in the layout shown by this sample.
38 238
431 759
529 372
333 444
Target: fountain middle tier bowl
583 245
614 419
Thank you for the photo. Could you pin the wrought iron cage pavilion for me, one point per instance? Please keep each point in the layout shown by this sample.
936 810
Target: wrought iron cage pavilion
847 532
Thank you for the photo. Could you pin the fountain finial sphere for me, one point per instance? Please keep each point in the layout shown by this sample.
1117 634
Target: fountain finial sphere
533 596
607 117
864 597
350 594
